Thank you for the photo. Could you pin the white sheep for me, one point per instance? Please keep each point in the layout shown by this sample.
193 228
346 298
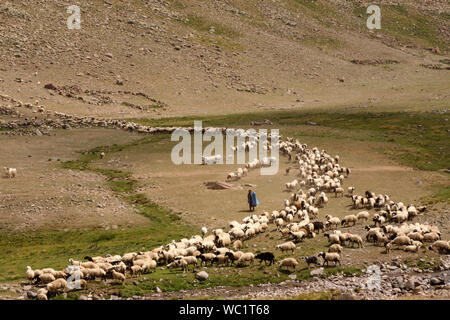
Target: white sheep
330 256
118 275
10 172
46 277
287 246
349 219
57 285
42 294
30 273
363 215
289 263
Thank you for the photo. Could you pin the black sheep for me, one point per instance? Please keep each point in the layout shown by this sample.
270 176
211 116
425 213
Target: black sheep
266 257
318 226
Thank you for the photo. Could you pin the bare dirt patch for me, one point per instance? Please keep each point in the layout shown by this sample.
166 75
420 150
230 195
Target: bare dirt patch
46 196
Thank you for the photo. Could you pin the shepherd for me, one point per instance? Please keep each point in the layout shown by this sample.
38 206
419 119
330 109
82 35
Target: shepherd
252 200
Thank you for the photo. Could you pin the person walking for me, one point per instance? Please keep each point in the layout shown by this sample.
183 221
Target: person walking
252 200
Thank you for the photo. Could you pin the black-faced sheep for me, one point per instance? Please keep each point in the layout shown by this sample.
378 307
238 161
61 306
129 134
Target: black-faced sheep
311 260
330 256
441 246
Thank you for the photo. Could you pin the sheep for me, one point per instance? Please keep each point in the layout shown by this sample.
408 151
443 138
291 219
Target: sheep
401 241
311 260
318 226
339 191
237 233
151 265
279 222
400 217
102 155
289 263
223 240
10 172
30 273
431 236
332 221
349 219
246 257
335 248
205 257
379 219
299 235
380 238
46 278
96 273
118 276
442 247
135 270
178 263
287 246
363 215
204 231
128 258
207 245
221 251
415 236
354 238
89 265
233 256
56 285
266 257
189 260
74 262
60 274
220 259
343 237
79 284
237 244
333 238
388 247
350 190
42 294
330 256
412 248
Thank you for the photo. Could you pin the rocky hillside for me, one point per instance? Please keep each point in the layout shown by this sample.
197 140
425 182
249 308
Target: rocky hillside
158 58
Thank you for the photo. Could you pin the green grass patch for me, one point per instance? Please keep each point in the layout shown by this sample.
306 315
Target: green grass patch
204 24
409 25
347 271
441 194
324 41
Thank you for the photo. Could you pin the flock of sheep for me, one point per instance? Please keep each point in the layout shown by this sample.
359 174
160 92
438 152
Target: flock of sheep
296 222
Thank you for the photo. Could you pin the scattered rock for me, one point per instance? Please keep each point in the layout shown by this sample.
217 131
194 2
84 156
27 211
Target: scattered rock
202 276
50 86
317 272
